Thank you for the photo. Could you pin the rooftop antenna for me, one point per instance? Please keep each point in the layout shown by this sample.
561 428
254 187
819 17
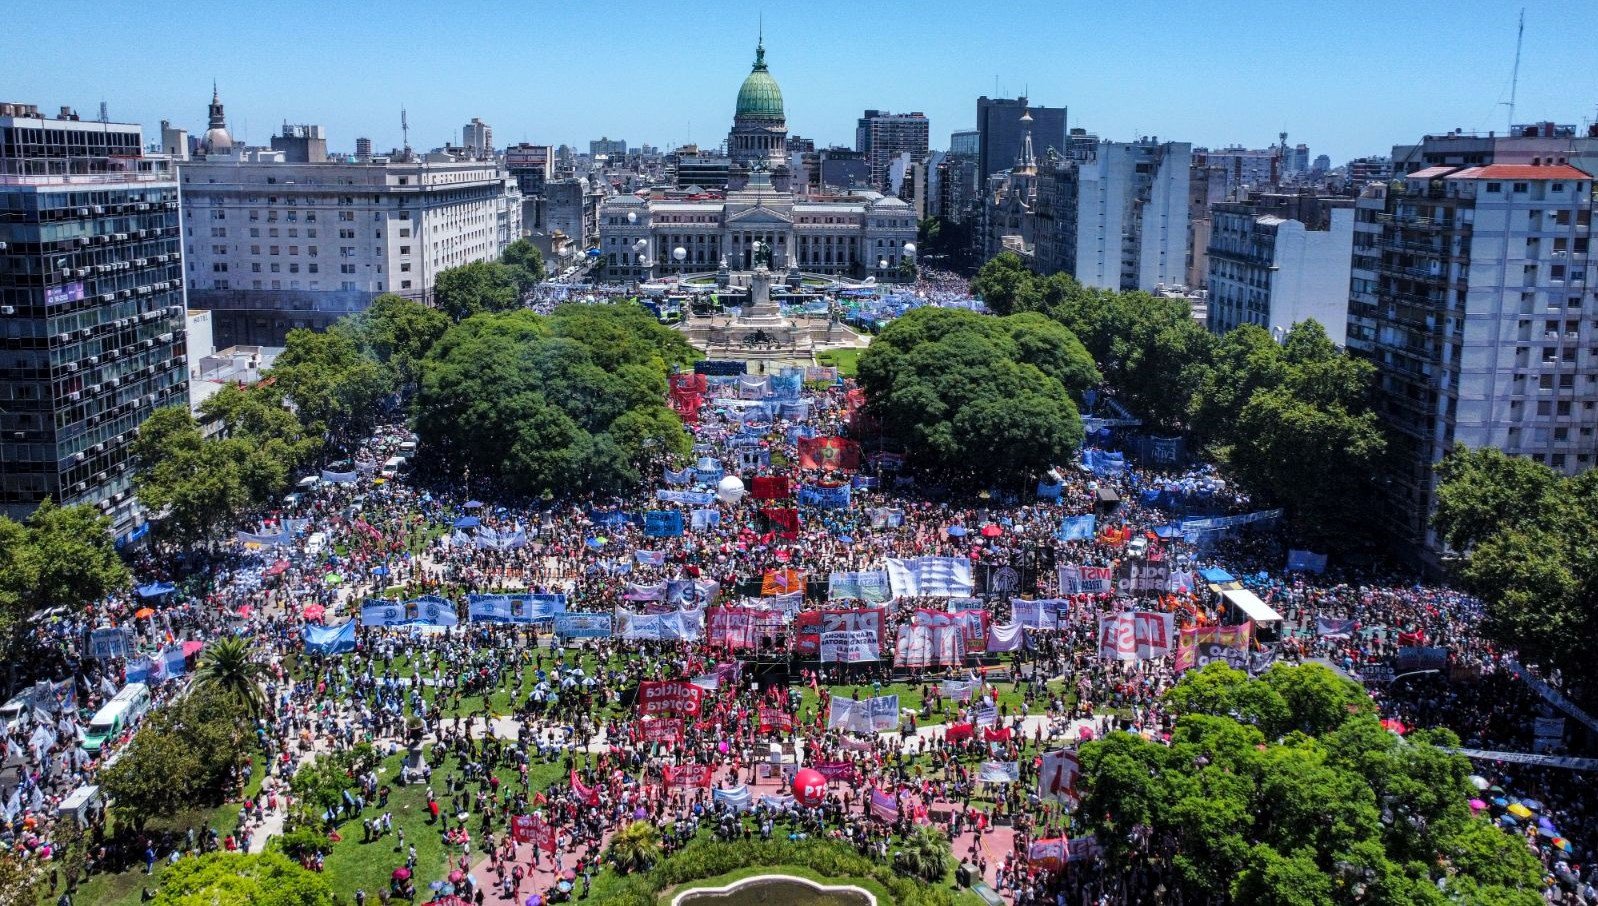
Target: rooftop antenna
405 130
1514 81
105 116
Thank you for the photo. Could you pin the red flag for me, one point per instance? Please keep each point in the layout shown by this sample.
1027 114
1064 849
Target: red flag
521 828
784 519
589 795
828 453
769 487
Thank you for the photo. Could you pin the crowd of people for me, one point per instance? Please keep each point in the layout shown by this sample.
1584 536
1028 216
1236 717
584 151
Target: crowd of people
486 712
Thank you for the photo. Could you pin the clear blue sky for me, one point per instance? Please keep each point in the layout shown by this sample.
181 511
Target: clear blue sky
1348 79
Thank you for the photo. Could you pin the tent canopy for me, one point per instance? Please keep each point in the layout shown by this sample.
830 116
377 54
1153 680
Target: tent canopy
1251 606
1217 576
156 589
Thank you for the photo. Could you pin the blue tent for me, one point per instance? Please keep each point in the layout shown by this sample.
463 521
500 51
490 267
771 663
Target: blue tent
1168 531
468 522
330 639
1217 576
156 589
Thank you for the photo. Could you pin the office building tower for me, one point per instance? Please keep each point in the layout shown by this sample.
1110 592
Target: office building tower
965 142
1473 294
1132 215
1279 259
999 132
91 308
478 138
884 136
275 246
608 147
301 144
1244 169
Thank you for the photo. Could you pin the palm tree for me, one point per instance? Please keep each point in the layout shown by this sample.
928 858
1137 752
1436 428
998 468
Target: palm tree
635 847
925 854
228 669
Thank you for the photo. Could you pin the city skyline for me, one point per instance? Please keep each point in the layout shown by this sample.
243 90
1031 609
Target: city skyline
345 73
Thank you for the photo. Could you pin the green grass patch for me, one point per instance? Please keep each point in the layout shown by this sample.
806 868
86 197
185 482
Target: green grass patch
846 360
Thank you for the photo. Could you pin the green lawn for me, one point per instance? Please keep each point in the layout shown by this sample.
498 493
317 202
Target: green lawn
845 360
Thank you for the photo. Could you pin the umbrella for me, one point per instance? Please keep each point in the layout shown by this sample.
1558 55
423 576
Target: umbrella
1496 788
1562 843
143 612
314 611
457 876
474 504
1547 831
1507 820
400 874
569 874
1545 821
956 531
333 578
1397 726
1519 811
1500 801
380 571
534 900
564 887
1532 804
1478 781
1477 804
991 531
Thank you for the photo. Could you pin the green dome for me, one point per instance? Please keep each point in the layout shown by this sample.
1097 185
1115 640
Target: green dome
759 98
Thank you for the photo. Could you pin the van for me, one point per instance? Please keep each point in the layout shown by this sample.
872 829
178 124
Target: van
315 543
121 712
407 447
393 466
308 483
16 713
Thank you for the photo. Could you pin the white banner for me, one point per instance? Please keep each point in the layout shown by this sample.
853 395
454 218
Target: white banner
1005 638
1057 779
870 715
930 577
1037 614
1085 580
849 647
999 772
1136 635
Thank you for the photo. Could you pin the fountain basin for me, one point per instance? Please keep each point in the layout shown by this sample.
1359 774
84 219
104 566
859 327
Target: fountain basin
776 890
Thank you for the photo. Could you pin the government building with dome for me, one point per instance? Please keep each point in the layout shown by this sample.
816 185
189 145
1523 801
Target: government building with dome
664 232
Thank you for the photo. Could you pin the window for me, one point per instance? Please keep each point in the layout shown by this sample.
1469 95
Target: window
1520 188
405 250
255 232
294 268
271 233
219 250
310 250
312 267
255 250
405 284
255 267
405 232
346 216
346 268
276 268
405 266
272 249
294 250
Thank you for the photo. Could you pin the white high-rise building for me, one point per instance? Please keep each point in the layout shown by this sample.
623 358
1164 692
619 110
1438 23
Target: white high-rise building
1132 215
1473 294
1274 269
478 137
276 246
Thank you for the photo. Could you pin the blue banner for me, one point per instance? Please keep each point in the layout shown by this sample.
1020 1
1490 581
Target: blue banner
434 611
1077 528
1050 490
583 625
705 520
516 608
663 523
827 498
693 498
330 639
383 613
1104 462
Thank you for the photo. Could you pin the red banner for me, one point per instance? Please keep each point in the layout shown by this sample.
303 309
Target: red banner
677 698
957 732
687 775
836 770
544 837
521 828
973 628
769 487
775 719
667 730
991 735
828 453
741 627
1048 854
589 795
784 520
692 383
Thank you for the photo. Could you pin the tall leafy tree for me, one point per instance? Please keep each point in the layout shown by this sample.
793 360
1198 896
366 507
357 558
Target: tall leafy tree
338 392
228 669
482 286
73 557
242 879
397 332
527 262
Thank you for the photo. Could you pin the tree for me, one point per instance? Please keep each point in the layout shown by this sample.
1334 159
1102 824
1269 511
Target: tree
482 286
924 855
19 880
526 261
397 332
184 754
977 399
74 558
194 486
1531 537
239 879
635 847
1333 810
1006 286
337 391
228 668
562 403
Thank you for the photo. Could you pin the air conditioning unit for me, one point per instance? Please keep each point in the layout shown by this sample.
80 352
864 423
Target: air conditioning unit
140 262
72 366
97 448
114 382
83 240
83 212
99 210
99 476
77 457
94 360
74 396
7 310
175 310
